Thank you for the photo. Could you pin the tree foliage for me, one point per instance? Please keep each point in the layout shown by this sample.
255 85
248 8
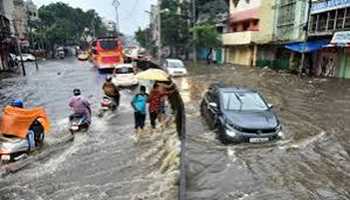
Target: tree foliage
211 7
175 26
206 36
62 24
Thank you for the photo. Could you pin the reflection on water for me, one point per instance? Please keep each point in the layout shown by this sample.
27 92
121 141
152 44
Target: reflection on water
312 162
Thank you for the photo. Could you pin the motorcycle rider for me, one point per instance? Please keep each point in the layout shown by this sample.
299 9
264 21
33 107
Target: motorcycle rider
80 105
111 90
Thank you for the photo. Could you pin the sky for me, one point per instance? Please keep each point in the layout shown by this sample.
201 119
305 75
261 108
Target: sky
131 12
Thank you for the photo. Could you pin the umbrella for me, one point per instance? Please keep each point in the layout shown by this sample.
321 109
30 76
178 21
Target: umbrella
153 75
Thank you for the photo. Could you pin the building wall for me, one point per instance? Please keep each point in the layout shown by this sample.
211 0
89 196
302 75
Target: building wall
244 5
289 20
266 18
20 18
241 55
8 11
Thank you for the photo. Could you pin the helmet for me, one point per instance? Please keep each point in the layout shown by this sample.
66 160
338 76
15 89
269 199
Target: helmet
17 103
76 92
108 78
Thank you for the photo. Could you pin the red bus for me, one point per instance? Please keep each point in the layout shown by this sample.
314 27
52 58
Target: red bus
107 52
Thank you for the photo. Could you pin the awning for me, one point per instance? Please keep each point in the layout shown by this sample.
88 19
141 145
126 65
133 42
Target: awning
306 47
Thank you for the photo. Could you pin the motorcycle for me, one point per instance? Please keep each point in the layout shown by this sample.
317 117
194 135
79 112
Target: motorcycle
13 148
78 123
107 104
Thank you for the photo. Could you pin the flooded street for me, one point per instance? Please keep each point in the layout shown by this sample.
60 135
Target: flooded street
312 162
104 163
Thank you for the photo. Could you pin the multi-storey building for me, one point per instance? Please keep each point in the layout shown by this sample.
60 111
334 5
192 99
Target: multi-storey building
5 32
20 19
330 21
250 32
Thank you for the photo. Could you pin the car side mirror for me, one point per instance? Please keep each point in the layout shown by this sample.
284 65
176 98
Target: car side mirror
213 104
270 106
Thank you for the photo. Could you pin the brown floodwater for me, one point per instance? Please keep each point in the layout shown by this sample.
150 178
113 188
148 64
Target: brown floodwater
311 162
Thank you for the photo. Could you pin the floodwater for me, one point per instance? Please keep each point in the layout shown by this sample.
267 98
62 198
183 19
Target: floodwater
311 162
107 162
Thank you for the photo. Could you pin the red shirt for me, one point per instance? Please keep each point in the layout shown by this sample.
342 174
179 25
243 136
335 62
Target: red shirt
155 100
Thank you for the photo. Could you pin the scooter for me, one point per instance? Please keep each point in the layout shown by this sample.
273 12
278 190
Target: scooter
77 123
13 148
107 104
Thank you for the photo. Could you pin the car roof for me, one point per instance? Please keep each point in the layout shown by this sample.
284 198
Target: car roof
237 89
173 60
124 65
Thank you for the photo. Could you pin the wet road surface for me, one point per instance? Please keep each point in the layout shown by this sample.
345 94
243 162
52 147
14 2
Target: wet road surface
104 163
312 162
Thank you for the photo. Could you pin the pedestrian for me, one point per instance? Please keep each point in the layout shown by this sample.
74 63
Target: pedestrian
139 104
157 100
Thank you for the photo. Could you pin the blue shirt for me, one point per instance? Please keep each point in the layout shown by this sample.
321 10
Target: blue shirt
139 102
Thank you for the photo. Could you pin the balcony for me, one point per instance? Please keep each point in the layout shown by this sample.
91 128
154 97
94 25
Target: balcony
238 38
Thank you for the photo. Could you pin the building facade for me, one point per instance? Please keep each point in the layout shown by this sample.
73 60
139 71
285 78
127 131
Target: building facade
5 33
330 21
250 31
20 19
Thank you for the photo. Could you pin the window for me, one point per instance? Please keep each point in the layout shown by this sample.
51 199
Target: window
243 101
286 14
322 21
340 19
313 23
331 20
347 18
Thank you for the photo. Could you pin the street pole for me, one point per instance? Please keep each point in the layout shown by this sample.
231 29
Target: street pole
160 33
19 49
194 50
302 62
116 5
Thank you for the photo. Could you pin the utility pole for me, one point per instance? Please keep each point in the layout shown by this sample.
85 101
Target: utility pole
159 33
306 28
194 50
116 5
19 49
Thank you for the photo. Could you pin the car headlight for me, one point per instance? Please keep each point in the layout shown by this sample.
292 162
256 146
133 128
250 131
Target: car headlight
230 131
280 134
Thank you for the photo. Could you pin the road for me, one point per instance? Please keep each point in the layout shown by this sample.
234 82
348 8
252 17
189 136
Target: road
312 162
105 163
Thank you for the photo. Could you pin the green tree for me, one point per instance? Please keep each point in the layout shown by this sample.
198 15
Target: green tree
175 26
61 24
206 36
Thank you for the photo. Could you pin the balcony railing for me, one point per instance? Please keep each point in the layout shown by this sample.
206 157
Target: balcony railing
238 38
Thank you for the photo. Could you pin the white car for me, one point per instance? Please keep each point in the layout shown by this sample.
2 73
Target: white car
174 67
124 76
26 57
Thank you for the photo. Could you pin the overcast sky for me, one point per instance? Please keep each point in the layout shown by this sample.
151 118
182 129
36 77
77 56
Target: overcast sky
132 12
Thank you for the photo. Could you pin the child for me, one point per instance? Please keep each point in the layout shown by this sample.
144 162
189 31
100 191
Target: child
139 104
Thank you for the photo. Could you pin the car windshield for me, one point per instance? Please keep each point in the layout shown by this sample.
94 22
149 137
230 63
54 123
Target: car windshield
243 101
124 70
175 64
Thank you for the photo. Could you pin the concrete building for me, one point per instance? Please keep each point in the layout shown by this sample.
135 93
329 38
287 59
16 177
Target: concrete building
20 19
250 30
330 22
6 7
32 10
8 11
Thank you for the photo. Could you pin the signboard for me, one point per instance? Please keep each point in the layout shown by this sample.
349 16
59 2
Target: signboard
329 5
341 38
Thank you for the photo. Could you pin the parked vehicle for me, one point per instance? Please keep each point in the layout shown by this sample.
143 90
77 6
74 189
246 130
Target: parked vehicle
27 57
239 115
107 104
60 53
21 132
124 76
78 123
174 67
